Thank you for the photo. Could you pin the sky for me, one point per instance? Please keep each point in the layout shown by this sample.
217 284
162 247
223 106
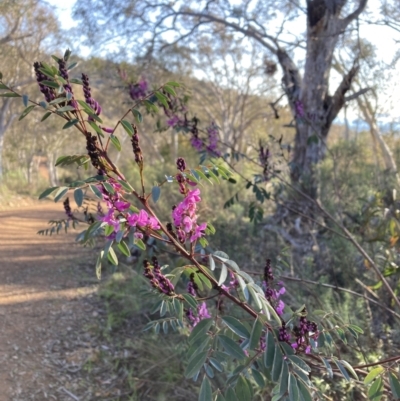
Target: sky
383 38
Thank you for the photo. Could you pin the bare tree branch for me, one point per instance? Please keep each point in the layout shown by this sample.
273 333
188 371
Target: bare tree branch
355 14
356 94
338 99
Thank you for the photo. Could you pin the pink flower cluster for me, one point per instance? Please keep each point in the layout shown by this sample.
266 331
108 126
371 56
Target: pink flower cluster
185 218
116 204
202 313
143 220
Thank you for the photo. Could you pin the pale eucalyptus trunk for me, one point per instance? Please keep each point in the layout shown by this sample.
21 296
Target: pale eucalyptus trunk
388 159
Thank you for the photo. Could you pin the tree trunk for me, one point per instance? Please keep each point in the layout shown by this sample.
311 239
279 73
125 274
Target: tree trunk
314 110
390 164
51 161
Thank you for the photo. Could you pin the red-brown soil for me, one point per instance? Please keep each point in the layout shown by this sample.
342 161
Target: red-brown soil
46 287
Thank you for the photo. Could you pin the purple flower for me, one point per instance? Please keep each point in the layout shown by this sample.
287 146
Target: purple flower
143 220
203 311
87 91
67 209
213 136
199 232
153 223
191 288
173 121
110 219
197 143
121 205
279 308
138 90
108 130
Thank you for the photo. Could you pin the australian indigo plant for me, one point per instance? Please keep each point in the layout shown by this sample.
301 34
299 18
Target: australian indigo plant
238 324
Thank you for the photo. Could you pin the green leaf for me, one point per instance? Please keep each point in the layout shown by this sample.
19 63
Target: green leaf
350 369
231 347
356 329
195 364
375 392
304 391
394 385
140 244
46 116
26 112
277 366
112 257
98 265
96 191
58 100
230 395
162 99
236 326
373 373
342 370
126 186
155 193
138 115
67 54
61 192
190 300
127 127
242 389
47 192
72 65
269 353
169 90
200 330
70 123
150 106
205 390
220 397
50 84
76 81
293 389
115 141
205 280
212 264
254 297
216 364
124 248
328 367
203 176
78 196
255 334
9 94
258 378
223 275
2 86
108 230
284 378
96 127
300 363
171 83
25 100
65 108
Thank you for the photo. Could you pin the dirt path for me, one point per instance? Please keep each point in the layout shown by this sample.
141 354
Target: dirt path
46 287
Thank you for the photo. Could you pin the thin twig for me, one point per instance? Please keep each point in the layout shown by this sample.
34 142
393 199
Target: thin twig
69 393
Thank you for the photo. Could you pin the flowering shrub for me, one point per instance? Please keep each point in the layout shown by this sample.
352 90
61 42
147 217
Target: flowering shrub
238 324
